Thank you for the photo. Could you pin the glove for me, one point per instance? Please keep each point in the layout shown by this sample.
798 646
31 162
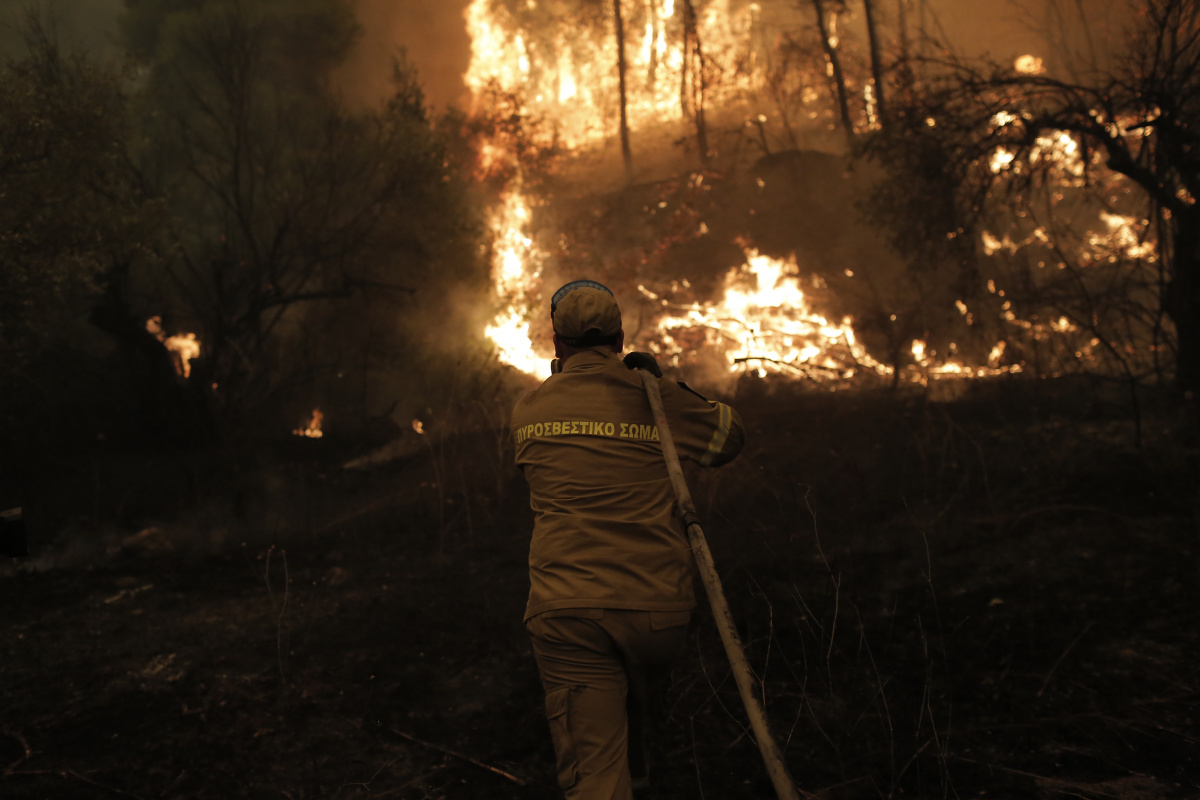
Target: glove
643 361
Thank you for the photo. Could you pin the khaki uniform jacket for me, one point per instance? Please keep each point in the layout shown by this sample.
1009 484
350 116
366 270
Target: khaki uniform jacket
607 531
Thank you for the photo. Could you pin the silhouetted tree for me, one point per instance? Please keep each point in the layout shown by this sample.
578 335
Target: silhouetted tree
71 207
837 77
979 145
283 201
626 151
877 69
694 79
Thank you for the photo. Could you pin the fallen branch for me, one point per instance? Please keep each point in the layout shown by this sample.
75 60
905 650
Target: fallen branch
1070 508
99 785
458 755
1045 779
26 750
1075 641
398 789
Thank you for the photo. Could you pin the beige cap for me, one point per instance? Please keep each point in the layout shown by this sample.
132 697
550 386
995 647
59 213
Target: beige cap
587 317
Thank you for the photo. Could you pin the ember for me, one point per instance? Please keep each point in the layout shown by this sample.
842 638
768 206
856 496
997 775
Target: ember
313 431
183 347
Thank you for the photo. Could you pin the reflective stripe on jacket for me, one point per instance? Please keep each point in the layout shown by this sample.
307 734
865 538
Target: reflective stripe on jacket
607 532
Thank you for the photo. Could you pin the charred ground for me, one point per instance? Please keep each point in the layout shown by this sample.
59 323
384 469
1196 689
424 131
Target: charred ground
991 596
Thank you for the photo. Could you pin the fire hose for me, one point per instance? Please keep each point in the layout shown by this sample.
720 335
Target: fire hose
785 787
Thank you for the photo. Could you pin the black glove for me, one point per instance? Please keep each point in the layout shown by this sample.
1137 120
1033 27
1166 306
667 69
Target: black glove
643 361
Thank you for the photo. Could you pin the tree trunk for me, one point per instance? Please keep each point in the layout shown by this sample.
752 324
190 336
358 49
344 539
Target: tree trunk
693 65
1182 298
626 150
655 32
922 27
905 78
835 63
876 63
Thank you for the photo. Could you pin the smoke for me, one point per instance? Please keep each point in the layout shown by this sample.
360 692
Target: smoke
1066 34
87 25
433 35
969 27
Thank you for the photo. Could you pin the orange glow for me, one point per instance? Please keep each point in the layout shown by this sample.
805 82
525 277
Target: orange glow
313 430
183 347
1030 65
764 323
562 73
570 79
515 272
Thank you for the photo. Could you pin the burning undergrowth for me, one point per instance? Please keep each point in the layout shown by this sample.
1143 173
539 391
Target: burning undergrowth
687 257
747 252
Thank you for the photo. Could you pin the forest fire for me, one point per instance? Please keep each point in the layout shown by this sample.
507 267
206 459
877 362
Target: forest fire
764 323
574 79
951 291
565 73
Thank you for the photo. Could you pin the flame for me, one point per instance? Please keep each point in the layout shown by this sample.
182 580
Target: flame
566 72
418 426
1123 235
313 431
514 270
764 322
563 72
183 347
1001 159
1030 65
918 352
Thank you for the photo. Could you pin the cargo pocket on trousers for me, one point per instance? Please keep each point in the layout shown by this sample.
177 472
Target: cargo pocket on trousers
558 708
661 620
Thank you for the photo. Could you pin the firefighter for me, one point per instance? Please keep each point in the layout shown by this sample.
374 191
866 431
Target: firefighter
610 568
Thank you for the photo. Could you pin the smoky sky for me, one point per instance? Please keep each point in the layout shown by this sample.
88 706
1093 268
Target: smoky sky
433 33
86 24
975 27
1058 31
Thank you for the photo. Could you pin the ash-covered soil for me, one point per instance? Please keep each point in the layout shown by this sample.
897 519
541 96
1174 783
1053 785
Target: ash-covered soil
995 596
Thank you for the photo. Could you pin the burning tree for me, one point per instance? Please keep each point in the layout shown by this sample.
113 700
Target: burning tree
696 80
755 81
1046 171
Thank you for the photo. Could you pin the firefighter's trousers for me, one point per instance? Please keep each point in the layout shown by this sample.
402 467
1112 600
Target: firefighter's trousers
600 668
